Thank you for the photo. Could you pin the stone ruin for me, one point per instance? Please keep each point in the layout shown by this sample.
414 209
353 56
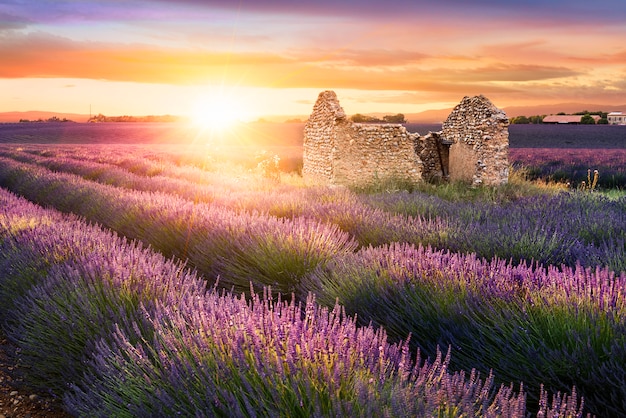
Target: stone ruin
472 146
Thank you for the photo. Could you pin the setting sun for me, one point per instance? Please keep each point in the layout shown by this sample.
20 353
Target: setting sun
216 113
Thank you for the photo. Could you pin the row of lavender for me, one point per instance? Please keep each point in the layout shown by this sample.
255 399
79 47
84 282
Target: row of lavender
562 328
589 230
571 229
119 330
572 165
239 247
293 254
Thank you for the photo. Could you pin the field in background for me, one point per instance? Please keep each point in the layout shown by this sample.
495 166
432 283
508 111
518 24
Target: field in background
284 134
558 153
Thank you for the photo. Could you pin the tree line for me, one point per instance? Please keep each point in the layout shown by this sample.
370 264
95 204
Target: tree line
151 118
52 119
397 118
586 119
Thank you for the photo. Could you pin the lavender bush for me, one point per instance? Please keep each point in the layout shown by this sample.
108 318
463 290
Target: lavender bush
239 247
589 229
24 260
368 226
120 331
571 165
556 327
111 174
224 356
64 283
521 229
566 229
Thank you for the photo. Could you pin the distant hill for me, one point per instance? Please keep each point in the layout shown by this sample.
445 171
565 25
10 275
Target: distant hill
7 117
34 115
428 116
568 108
434 116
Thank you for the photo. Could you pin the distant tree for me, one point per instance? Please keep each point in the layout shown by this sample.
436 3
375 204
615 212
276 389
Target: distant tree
359 118
587 120
397 118
597 112
561 113
57 119
520 120
603 121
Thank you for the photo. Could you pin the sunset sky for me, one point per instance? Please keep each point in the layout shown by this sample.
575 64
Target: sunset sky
274 57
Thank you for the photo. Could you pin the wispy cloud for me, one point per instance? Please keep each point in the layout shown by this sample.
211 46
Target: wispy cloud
12 22
403 50
44 55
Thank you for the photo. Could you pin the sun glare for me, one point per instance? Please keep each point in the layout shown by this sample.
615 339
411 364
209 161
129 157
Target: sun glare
217 113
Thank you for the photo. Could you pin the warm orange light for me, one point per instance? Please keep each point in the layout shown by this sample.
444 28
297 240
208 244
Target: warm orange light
217 113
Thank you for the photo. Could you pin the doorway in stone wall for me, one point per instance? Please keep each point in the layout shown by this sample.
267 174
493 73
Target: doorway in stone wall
443 152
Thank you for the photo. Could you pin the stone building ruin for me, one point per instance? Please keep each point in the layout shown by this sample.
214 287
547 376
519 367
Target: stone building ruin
472 146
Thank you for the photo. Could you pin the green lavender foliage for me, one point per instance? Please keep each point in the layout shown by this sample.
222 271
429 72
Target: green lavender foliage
589 230
65 284
229 357
120 331
556 327
238 247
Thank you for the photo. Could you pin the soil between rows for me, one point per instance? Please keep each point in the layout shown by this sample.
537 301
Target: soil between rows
18 400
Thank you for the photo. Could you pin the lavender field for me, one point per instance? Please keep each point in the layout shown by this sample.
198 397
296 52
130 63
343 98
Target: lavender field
161 280
571 165
561 153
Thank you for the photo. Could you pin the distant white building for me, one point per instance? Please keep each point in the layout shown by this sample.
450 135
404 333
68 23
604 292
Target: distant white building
616 118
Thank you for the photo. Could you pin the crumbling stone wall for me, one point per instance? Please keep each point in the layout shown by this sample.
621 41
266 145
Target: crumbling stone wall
320 133
479 133
342 152
473 146
365 153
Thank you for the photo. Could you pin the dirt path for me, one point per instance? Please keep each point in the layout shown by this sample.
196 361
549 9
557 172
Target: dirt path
16 400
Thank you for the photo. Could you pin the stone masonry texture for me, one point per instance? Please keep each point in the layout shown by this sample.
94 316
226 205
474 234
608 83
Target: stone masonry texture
472 147
480 142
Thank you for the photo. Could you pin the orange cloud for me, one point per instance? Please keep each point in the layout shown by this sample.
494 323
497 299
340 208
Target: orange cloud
617 58
48 56
445 77
40 55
